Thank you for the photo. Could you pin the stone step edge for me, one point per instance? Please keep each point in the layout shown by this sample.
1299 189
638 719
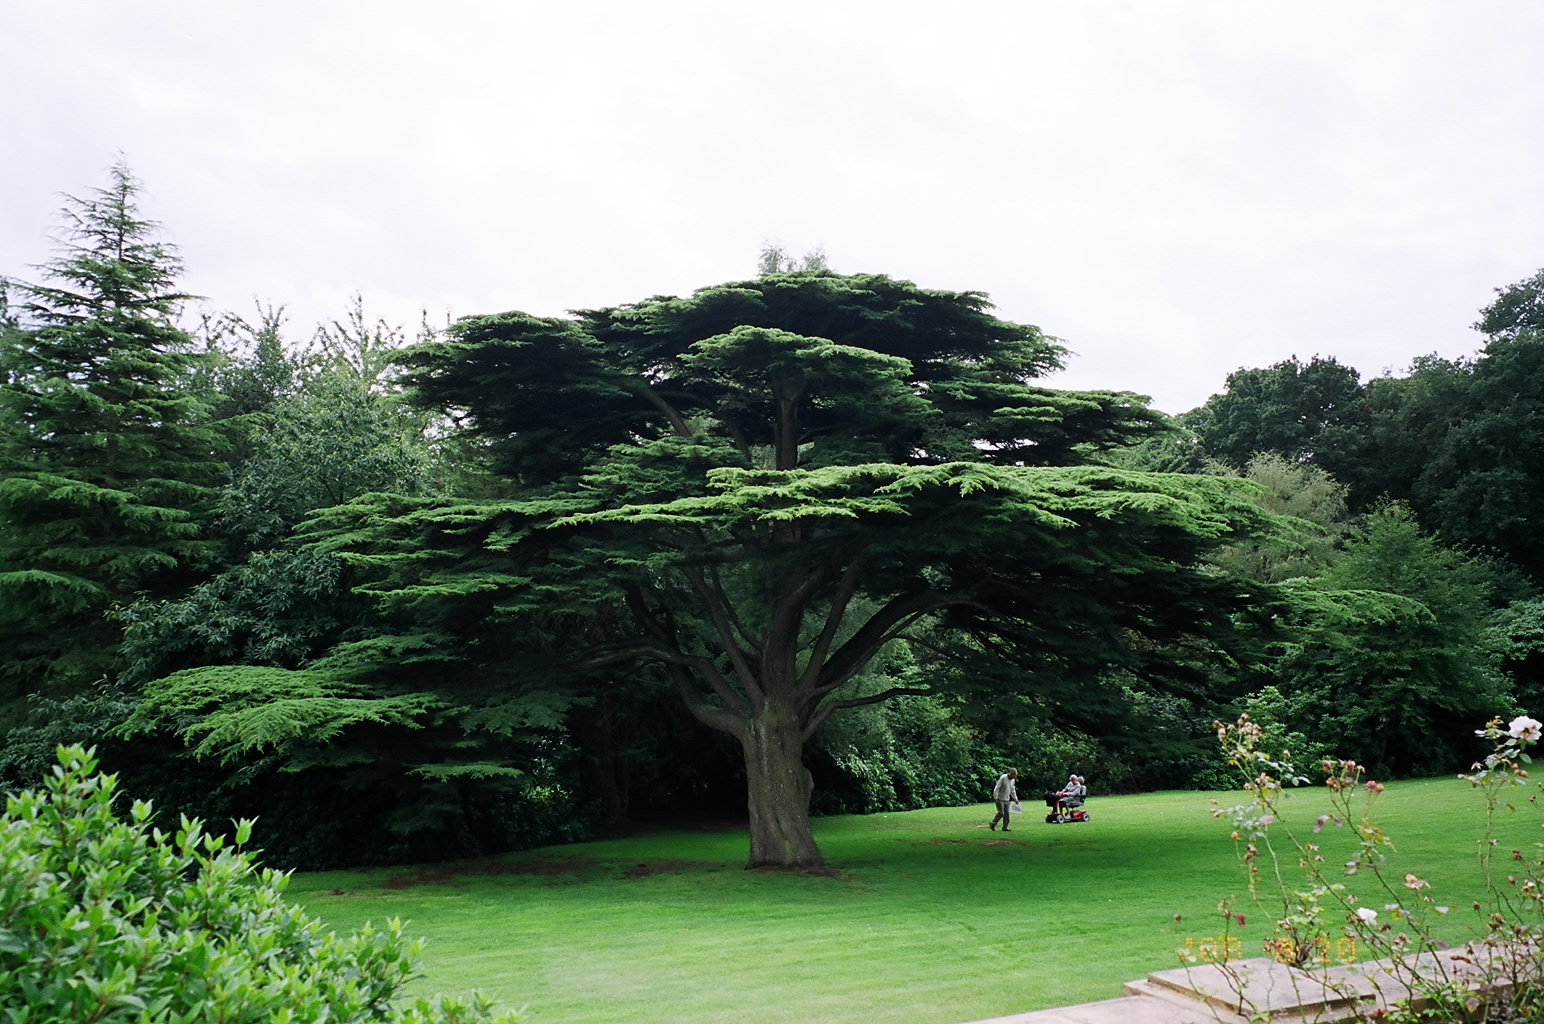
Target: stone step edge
1313 991
1216 1012
1161 998
1339 992
1125 1010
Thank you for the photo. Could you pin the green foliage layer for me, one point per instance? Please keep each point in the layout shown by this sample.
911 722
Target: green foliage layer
106 920
755 491
834 517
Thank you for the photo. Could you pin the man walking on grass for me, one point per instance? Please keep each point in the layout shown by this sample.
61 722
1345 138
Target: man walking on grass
1004 793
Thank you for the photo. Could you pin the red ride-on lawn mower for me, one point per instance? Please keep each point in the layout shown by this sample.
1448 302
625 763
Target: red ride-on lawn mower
1065 810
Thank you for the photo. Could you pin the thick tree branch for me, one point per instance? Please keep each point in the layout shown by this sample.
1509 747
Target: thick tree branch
787 440
720 718
733 702
845 588
662 647
610 655
880 630
832 708
746 636
788 615
648 394
736 435
726 638
813 697
638 605
837 681
779 657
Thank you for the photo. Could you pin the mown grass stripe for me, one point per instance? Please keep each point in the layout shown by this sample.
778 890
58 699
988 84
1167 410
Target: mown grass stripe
928 917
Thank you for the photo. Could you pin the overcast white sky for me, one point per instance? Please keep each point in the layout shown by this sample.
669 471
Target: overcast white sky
1176 189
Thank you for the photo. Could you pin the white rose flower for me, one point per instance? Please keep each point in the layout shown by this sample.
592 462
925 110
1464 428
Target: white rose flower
1367 914
1524 728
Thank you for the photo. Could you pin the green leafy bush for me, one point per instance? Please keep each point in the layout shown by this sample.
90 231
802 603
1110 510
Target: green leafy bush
108 920
897 756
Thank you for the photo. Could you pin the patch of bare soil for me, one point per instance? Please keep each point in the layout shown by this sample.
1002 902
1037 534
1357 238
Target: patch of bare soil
663 867
441 873
973 842
813 872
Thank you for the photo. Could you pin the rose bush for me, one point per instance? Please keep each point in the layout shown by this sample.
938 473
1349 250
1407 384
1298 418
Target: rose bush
1496 975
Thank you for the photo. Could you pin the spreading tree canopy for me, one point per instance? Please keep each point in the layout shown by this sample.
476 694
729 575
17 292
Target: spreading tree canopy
1457 439
1310 412
1484 485
753 491
106 450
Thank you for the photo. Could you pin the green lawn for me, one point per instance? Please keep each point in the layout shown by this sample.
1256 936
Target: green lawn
927 917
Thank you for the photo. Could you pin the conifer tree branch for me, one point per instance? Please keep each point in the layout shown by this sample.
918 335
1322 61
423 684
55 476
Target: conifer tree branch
713 604
663 648
723 719
654 398
736 435
611 655
747 638
845 589
788 616
825 713
814 696
887 624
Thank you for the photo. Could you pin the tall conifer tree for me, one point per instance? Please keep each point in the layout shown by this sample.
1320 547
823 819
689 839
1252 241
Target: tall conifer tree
107 454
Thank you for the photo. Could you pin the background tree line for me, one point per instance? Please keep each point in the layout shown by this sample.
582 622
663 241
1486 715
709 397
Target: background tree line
340 584
1426 486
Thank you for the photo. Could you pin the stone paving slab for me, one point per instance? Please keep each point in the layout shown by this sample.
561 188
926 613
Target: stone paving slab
1269 987
1218 994
1127 1010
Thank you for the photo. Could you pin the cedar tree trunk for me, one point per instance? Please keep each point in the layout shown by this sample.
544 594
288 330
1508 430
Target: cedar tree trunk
778 791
